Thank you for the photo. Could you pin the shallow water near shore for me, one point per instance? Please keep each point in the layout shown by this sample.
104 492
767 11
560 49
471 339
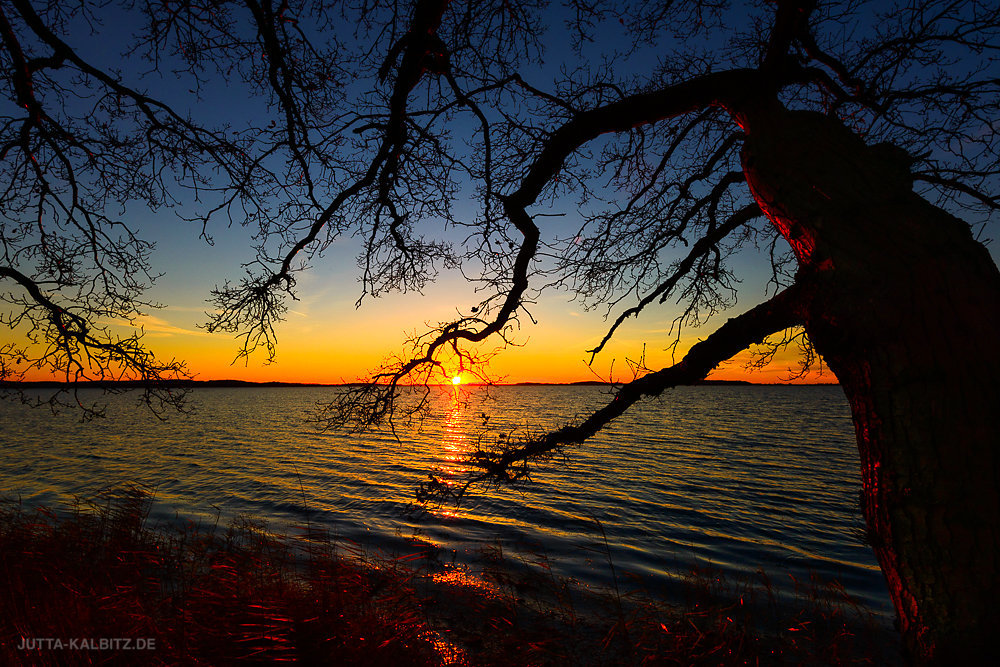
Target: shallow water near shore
738 478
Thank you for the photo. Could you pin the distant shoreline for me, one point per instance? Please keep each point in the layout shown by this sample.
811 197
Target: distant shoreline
191 384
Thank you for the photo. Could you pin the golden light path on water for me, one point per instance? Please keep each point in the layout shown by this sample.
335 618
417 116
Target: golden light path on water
739 478
455 449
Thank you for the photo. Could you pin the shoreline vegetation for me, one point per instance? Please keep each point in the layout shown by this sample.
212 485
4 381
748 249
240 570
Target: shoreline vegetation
95 583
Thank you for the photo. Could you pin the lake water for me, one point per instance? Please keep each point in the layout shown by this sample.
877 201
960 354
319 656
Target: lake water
736 477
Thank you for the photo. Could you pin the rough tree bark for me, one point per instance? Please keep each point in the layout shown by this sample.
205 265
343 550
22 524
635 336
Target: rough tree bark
908 319
904 305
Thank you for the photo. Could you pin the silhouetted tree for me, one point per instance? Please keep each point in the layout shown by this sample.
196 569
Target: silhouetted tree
863 134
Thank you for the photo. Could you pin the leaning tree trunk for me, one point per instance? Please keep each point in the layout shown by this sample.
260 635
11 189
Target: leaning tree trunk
907 315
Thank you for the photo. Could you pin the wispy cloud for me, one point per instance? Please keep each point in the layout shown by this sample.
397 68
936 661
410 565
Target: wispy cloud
157 327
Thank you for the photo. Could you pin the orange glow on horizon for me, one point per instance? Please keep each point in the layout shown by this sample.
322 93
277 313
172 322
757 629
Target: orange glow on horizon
314 349
212 362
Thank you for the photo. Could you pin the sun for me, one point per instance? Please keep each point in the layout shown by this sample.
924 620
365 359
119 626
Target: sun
457 380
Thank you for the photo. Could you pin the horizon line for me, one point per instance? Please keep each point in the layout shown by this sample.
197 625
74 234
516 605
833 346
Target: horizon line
278 383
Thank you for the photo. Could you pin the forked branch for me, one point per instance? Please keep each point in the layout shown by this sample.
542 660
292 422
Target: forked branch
510 462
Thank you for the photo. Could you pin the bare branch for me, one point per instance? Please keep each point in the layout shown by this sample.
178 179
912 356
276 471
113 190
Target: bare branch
510 462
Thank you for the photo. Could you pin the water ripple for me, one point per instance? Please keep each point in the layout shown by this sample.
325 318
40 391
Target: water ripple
738 477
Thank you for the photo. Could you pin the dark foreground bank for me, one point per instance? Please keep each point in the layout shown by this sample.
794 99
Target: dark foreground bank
94 584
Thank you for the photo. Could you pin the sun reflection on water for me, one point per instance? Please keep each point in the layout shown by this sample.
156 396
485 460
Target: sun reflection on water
714 473
453 451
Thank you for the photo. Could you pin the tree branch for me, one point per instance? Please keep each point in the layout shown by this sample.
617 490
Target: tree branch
510 463
663 290
727 88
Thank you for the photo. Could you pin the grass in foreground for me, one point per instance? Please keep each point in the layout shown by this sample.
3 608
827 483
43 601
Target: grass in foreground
194 595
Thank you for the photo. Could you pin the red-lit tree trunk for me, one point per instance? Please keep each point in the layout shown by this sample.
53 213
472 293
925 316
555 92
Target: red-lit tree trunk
907 315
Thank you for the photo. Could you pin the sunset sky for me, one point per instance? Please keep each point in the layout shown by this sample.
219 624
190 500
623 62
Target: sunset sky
325 339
